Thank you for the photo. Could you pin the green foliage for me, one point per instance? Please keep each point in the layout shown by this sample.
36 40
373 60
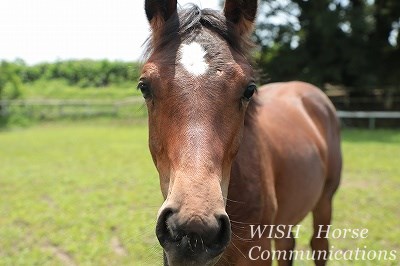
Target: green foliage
10 82
60 89
329 41
17 119
80 80
82 73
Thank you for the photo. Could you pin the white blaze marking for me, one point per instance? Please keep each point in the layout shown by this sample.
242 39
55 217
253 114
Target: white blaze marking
192 58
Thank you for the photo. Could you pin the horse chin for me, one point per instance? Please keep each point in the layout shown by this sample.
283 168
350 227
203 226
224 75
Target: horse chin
172 260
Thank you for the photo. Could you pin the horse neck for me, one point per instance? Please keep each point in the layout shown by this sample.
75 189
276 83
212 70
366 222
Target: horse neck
247 182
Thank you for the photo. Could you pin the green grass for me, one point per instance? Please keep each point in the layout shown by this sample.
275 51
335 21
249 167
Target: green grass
77 190
87 192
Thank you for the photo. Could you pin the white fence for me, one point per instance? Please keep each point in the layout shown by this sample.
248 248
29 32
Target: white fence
130 107
370 115
67 108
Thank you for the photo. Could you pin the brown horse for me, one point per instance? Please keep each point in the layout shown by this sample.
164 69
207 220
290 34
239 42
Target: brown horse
228 159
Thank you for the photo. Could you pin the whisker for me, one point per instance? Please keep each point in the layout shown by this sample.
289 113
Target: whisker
242 239
227 199
237 222
239 250
225 261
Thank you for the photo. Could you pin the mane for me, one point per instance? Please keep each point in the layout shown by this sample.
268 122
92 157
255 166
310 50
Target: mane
188 22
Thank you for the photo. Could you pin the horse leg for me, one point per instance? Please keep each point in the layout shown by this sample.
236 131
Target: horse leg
284 246
322 213
321 219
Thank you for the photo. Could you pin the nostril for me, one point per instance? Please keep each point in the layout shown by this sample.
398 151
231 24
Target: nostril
224 235
162 228
217 244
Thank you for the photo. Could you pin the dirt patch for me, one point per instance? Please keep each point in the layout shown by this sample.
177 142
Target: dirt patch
117 246
50 201
65 258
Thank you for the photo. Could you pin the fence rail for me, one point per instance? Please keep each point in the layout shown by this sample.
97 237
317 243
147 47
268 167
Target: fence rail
370 115
49 108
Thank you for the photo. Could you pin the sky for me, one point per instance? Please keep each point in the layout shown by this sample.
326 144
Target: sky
49 30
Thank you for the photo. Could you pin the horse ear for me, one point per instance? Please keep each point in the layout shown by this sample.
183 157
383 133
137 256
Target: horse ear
159 11
242 14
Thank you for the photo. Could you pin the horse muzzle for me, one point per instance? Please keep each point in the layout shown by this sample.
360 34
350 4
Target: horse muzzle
192 240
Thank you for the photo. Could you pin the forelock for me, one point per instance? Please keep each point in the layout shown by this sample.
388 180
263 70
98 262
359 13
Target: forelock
184 26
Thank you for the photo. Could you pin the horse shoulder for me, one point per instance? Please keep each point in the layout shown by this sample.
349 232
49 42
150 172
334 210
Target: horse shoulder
298 108
295 120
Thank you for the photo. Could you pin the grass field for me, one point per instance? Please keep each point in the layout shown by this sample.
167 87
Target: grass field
86 193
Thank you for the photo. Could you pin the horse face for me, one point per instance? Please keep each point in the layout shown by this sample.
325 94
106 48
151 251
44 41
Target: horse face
197 88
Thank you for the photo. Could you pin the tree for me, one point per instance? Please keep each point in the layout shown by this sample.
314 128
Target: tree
10 83
352 43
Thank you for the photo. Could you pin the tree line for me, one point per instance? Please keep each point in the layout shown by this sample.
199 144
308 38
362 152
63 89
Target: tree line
81 73
354 43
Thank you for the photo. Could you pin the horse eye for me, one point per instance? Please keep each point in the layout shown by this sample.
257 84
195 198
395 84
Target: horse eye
248 93
144 88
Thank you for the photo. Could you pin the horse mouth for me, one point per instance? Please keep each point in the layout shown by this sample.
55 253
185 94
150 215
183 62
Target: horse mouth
183 247
171 260
189 250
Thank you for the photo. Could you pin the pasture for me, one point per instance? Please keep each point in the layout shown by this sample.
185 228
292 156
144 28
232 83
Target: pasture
87 193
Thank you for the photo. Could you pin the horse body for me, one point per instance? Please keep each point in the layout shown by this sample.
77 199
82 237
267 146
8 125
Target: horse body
226 159
289 163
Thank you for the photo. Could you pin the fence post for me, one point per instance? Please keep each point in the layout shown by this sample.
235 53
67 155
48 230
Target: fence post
87 112
371 123
61 109
116 108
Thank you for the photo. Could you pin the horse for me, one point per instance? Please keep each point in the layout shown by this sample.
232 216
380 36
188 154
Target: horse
230 154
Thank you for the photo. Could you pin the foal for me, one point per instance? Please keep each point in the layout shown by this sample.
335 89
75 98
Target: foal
228 157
